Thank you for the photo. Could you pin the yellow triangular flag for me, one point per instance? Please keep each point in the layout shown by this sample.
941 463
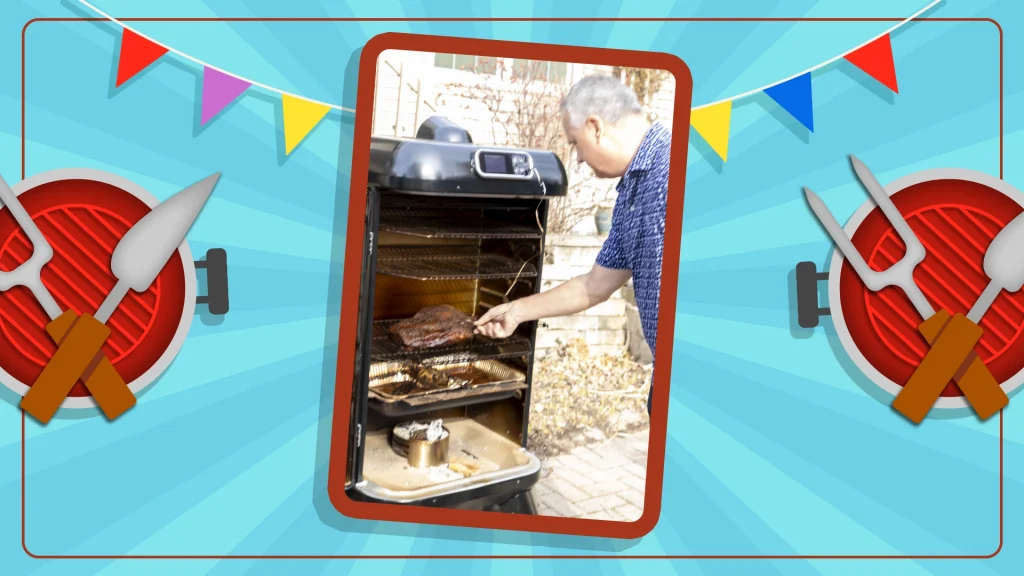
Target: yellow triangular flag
712 123
300 116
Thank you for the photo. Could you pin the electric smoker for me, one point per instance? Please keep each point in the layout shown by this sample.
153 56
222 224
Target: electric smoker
455 223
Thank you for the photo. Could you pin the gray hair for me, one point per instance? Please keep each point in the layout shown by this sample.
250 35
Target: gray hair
600 95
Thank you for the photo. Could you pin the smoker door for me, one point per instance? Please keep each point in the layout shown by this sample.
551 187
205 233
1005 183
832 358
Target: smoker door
358 406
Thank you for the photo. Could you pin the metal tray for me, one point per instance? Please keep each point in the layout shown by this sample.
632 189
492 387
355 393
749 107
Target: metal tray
395 381
413 406
481 373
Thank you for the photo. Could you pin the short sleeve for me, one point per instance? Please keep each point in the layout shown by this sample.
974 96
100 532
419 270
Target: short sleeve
613 253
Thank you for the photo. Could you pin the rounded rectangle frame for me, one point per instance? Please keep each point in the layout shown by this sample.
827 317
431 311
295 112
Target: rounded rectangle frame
353 262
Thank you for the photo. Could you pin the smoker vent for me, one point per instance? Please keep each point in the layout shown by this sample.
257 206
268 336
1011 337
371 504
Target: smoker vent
448 263
469 223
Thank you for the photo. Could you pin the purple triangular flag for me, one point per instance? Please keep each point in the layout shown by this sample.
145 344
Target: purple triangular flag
219 90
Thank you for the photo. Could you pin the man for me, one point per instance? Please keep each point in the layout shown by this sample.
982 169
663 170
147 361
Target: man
604 121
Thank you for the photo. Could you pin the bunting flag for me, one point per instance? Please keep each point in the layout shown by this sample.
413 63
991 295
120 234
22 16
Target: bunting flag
300 117
136 53
219 90
795 97
712 123
875 58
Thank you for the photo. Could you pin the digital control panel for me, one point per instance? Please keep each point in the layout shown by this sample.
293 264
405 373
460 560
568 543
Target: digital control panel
503 164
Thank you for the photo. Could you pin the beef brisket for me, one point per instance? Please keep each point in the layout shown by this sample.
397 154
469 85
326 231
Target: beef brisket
432 327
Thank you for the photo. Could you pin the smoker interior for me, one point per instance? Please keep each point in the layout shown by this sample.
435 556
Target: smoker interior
472 254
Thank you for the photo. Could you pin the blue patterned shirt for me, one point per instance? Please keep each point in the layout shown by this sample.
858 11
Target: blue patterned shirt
637 237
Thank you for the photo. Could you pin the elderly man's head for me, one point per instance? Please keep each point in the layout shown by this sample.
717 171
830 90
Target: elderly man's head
604 120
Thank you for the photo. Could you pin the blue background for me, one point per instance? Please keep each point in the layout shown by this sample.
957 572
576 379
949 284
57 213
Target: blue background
773 447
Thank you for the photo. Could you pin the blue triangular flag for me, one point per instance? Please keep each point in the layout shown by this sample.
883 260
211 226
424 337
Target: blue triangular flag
795 97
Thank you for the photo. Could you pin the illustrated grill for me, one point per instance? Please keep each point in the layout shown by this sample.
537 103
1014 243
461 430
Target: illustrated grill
82 220
955 220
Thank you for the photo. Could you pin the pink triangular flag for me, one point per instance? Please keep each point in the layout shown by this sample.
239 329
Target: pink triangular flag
219 90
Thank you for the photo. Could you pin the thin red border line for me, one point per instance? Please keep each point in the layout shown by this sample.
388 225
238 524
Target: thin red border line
997 550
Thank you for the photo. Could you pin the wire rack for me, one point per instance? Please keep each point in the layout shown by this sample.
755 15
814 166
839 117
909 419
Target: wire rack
470 223
384 349
461 396
448 263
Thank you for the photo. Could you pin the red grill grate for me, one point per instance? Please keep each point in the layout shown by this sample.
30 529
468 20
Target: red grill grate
79 278
83 221
955 221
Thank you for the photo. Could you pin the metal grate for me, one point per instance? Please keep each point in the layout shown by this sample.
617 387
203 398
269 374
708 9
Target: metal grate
453 224
432 399
384 349
448 263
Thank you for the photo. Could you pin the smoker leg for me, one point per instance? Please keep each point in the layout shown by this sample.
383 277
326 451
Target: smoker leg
521 503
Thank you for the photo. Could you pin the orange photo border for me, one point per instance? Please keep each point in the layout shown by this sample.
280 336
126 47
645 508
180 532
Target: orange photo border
662 412
354 252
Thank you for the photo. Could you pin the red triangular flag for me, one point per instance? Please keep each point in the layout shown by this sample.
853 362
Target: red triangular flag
136 53
875 58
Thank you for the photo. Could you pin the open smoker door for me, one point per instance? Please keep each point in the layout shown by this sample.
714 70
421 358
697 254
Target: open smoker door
358 407
487 424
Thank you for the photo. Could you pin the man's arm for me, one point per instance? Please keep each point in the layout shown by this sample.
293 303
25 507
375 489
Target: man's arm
576 295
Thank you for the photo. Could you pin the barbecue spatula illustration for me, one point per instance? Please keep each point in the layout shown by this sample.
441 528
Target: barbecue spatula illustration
137 260
1004 265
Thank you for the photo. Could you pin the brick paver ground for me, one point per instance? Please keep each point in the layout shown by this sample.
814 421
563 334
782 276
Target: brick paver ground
604 481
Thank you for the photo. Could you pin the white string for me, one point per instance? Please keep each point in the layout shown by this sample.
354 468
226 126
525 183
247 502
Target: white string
823 64
336 107
201 63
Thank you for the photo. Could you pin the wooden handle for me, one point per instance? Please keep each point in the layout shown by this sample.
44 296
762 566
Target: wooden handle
78 355
950 336
101 378
974 378
955 340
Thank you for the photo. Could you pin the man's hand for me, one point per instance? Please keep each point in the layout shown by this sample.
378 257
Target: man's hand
499 322
576 295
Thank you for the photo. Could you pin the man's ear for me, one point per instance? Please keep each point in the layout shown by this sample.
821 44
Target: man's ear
596 124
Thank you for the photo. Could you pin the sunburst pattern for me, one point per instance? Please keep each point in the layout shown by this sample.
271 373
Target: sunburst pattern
775 446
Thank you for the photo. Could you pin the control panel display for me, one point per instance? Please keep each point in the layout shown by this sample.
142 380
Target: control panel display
503 164
496 164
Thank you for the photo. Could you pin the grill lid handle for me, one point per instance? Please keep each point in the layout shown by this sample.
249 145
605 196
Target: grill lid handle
441 129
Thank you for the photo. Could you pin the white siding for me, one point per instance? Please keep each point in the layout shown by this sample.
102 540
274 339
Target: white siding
443 92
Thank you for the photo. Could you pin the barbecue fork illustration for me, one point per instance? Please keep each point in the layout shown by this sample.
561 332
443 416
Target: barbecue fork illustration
99 375
952 337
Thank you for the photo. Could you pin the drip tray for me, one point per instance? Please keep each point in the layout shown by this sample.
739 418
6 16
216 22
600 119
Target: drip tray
388 476
400 389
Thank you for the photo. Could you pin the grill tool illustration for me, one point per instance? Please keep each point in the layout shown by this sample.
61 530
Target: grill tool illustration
952 337
105 383
76 217
137 260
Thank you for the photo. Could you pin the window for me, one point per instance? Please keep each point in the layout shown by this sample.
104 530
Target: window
554 72
478 64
